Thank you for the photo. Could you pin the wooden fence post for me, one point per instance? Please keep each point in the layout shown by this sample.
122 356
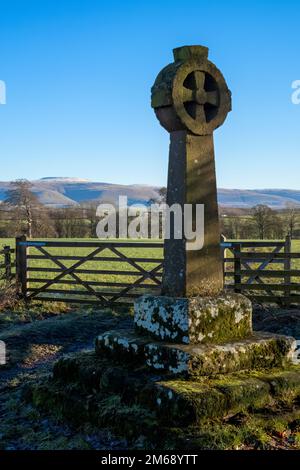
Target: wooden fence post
21 265
237 267
287 268
223 251
7 262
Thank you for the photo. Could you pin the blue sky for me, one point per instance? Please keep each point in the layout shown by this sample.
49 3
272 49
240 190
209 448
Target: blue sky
79 73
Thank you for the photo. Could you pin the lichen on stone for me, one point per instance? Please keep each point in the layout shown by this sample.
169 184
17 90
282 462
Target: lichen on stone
194 320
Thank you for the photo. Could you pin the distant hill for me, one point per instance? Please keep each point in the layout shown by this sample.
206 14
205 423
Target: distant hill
64 192
244 198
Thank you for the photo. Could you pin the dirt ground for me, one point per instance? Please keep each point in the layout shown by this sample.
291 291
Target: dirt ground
33 345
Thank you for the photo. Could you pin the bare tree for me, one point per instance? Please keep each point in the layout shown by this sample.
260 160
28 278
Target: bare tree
291 220
263 218
29 216
90 215
70 223
160 198
276 228
234 227
22 200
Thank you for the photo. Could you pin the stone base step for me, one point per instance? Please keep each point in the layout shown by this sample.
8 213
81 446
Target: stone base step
88 382
186 402
259 351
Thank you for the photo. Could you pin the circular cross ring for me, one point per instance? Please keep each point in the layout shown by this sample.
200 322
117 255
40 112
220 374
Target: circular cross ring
201 98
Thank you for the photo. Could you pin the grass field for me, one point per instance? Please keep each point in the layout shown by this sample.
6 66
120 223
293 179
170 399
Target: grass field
112 264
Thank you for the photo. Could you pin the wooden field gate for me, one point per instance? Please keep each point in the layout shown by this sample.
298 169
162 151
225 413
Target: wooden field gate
265 271
95 271
114 272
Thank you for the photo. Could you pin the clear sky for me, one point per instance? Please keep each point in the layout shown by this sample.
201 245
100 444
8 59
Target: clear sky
79 73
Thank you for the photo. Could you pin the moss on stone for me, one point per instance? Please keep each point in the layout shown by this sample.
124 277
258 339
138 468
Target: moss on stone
260 351
184 401
132 401
214 319
81 368
284 384
223 319
125 419
62 402
241 394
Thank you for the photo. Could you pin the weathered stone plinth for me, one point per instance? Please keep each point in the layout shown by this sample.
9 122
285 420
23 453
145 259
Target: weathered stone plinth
195 337
194 320
259 351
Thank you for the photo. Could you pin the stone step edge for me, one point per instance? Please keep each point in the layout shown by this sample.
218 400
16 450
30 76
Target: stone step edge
186 402
260 351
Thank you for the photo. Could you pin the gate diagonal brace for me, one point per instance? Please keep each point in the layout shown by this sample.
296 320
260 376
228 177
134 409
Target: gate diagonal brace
135 284
262 265
147 274
258 279
68 271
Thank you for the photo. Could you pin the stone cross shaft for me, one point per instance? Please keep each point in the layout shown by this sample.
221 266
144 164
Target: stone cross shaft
191 99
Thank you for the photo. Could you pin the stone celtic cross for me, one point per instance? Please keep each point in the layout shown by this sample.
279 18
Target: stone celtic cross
191 99
195 329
